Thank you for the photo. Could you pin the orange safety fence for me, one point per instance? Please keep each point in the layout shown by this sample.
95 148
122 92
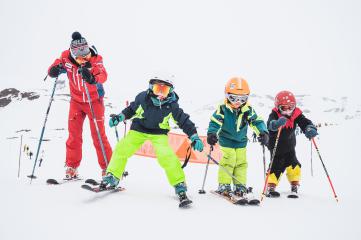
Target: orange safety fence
180 144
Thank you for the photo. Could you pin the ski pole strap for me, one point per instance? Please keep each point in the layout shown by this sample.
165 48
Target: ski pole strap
188 156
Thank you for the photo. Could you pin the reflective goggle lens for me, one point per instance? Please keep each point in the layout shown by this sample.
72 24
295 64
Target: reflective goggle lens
161 89
237 98
286 108
83 59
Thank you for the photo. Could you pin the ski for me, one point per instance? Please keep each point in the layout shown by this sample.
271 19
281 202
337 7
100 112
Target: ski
97 189
92 182
52 181
292 195
184 201
232 198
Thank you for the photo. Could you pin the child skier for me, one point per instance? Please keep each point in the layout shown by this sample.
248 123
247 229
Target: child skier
82 62
229 123
286 115
150 112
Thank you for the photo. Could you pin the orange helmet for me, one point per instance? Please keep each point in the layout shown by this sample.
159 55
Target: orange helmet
237 85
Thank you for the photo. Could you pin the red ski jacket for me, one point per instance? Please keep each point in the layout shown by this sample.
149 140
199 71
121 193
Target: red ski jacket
77 90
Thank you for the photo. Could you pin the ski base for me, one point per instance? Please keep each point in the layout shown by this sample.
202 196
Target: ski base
97 189
52 181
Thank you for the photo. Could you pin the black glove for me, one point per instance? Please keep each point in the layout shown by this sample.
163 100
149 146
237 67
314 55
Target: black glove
55 71
263 138
212 139
87 76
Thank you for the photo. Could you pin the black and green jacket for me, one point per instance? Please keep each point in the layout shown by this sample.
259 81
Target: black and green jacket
231 125
149 118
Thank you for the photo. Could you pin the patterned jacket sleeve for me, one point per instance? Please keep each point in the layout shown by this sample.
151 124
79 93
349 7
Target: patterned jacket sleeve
182 120
255 122
216 121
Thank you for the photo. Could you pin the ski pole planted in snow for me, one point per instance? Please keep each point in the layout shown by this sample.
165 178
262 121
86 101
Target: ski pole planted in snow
270 165
324 167
21 146
42 131
95 123
311 160
202 191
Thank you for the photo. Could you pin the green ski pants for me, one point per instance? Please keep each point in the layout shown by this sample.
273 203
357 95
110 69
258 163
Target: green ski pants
235 161
167 159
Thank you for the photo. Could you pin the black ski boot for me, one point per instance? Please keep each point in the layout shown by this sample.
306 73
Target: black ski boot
294 189
271 191
180 190
241 192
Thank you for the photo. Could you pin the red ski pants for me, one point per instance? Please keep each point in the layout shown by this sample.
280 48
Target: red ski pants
77 113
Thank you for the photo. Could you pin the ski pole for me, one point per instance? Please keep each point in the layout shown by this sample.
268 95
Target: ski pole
21 146
42 131
270 165
264 162
324 167
201 191
223 168
95 123
125 122
311 159
115 127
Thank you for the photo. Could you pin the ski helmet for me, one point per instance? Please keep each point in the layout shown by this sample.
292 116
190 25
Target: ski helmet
237 91
285 102
161 86
238 86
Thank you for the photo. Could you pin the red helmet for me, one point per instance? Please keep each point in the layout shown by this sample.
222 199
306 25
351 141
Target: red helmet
285 101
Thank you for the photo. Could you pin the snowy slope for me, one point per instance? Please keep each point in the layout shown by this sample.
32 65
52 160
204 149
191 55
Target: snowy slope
148 208
310 47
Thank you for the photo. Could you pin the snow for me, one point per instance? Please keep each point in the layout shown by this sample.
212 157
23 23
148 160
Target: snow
309 47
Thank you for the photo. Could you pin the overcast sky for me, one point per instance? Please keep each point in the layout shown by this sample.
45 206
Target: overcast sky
310 47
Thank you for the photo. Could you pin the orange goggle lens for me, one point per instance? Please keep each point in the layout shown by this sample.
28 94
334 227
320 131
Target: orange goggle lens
83 59
161 89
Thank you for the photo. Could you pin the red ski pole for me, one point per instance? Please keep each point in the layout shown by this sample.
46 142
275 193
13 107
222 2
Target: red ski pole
324 167
270 165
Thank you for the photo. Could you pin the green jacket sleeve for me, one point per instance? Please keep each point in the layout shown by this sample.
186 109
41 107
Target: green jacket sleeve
255 122
216 121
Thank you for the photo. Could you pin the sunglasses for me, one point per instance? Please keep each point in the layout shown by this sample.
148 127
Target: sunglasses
233 98
161 89
286 108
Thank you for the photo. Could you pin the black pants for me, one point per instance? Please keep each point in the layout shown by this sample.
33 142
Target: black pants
282 161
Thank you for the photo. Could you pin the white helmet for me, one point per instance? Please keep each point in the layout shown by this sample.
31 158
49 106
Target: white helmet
166 79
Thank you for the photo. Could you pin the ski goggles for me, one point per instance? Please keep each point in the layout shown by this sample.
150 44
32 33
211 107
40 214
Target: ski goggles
234 98
286 109
83 59
160 89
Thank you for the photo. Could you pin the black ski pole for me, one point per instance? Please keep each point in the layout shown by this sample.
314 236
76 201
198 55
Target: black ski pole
311 159
125 122
21 146
270 165
264 162
324 167
115 128
202 191
42 131
95 123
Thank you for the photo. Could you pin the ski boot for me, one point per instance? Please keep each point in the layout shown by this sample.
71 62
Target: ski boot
294 189
109 181
71 173
241 192
224 189
271 191
180 190
251 199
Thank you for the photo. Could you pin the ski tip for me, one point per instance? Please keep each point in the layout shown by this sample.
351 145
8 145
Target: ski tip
52 181
87 187
92 182
185 204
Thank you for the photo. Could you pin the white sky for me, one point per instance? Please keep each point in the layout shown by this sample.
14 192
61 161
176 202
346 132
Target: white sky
305 46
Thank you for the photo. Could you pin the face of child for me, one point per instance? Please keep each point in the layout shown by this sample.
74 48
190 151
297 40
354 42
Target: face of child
286 110
81 60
